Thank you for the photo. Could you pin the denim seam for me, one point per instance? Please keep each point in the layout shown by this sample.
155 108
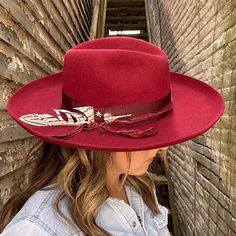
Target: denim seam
35 217
43 203
41 224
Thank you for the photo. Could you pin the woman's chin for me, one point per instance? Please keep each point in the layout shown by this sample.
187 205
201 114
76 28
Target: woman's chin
138 173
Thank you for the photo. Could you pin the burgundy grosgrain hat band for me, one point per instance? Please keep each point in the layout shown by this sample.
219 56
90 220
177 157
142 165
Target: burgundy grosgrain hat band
136 113
135 109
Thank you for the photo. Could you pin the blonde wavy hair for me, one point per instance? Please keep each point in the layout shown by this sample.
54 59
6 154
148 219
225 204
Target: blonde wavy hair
80 176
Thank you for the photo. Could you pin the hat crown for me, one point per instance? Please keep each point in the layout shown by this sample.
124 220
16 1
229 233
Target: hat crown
115 71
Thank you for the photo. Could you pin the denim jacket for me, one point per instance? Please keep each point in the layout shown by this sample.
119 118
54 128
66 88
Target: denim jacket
38 218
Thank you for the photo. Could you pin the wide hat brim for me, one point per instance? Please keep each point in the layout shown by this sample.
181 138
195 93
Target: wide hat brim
197 107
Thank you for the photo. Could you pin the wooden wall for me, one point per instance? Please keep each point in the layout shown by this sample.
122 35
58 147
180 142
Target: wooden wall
34 35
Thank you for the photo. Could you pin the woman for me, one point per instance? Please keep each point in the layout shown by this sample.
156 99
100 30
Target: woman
92 182
98 181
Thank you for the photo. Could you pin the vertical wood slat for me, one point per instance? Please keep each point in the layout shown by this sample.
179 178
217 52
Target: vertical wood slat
93 31
99 18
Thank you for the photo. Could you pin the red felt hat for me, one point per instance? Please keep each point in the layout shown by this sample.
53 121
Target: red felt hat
116 94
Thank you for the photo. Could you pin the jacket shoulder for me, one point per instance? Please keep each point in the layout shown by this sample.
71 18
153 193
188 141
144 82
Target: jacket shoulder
24 227
39 212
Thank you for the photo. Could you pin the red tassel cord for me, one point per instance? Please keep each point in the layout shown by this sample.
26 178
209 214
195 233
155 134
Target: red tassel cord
105 127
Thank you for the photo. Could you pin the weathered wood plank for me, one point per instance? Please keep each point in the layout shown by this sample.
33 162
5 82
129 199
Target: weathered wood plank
81 11
78 17
148 16
18 38
34 35
9 129
24 17
56 16
13 154
85 9
80 27
7 88
40 15
16 67
62 8
98 21
14 182
89 6
94 26
67 19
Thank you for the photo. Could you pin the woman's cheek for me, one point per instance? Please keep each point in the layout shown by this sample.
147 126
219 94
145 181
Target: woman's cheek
138 168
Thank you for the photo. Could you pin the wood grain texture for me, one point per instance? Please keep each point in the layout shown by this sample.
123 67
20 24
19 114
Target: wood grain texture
34 36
